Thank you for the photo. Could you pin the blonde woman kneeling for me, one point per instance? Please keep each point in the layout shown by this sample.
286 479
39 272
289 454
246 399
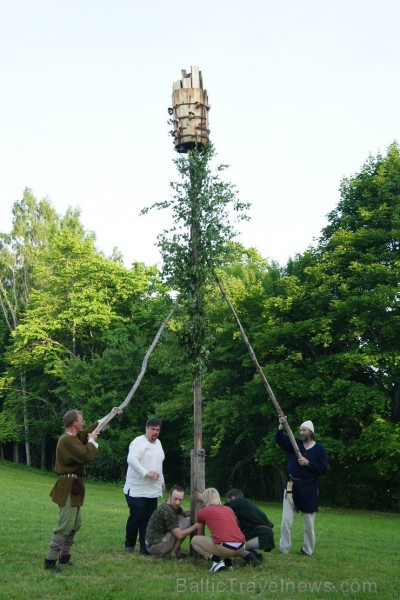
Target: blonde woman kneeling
227 541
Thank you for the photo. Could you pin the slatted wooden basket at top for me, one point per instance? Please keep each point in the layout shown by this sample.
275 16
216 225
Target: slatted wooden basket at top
189 112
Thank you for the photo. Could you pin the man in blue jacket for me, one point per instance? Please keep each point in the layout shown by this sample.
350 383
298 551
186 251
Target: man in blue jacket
301 493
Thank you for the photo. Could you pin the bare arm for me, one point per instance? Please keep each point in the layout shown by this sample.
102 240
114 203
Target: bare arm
180 534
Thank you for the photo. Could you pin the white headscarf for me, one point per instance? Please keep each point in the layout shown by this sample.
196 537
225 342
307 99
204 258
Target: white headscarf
309 425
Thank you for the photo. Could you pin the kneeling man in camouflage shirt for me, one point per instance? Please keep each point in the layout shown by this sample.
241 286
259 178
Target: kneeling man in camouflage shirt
169 525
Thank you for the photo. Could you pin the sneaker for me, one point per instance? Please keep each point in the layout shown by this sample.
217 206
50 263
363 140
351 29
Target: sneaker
217 566
252 559
129 549
303 552
228 563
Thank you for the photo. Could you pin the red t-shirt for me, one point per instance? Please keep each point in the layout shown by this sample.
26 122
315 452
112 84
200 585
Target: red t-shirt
221 521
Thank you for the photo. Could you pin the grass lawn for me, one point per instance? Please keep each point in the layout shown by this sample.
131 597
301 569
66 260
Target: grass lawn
357 553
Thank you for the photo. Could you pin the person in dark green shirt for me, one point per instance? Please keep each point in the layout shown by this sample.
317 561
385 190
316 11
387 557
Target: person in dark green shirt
169 525
254 523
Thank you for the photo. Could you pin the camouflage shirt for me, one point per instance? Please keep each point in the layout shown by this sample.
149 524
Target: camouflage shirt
161 521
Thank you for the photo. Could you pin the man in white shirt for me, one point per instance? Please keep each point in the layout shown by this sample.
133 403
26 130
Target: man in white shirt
144 483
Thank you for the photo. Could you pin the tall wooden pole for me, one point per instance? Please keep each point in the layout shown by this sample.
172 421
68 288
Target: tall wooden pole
198 454
189 120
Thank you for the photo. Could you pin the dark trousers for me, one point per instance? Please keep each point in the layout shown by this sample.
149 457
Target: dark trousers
140 511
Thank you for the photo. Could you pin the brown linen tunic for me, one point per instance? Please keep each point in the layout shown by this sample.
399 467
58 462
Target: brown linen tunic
72 454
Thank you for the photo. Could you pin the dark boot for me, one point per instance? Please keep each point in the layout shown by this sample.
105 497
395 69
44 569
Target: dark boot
65 553
50 565
252 559
65 560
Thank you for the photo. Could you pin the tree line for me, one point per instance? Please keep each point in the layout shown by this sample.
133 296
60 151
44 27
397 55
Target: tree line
75 326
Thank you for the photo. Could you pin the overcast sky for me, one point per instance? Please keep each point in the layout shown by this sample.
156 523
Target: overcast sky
301 92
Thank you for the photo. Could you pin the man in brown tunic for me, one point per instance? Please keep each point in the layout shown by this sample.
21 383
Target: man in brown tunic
75 448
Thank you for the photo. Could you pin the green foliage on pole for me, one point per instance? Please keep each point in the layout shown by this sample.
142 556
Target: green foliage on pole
202 206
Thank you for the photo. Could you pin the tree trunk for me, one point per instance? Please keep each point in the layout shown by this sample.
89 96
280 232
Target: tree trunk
26 420
43 454
16 452
198 454
197 480
197 458
396 403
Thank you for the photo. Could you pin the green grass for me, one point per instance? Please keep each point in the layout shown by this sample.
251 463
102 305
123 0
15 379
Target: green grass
357 553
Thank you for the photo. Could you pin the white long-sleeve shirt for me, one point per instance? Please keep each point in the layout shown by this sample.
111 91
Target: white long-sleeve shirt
144 456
